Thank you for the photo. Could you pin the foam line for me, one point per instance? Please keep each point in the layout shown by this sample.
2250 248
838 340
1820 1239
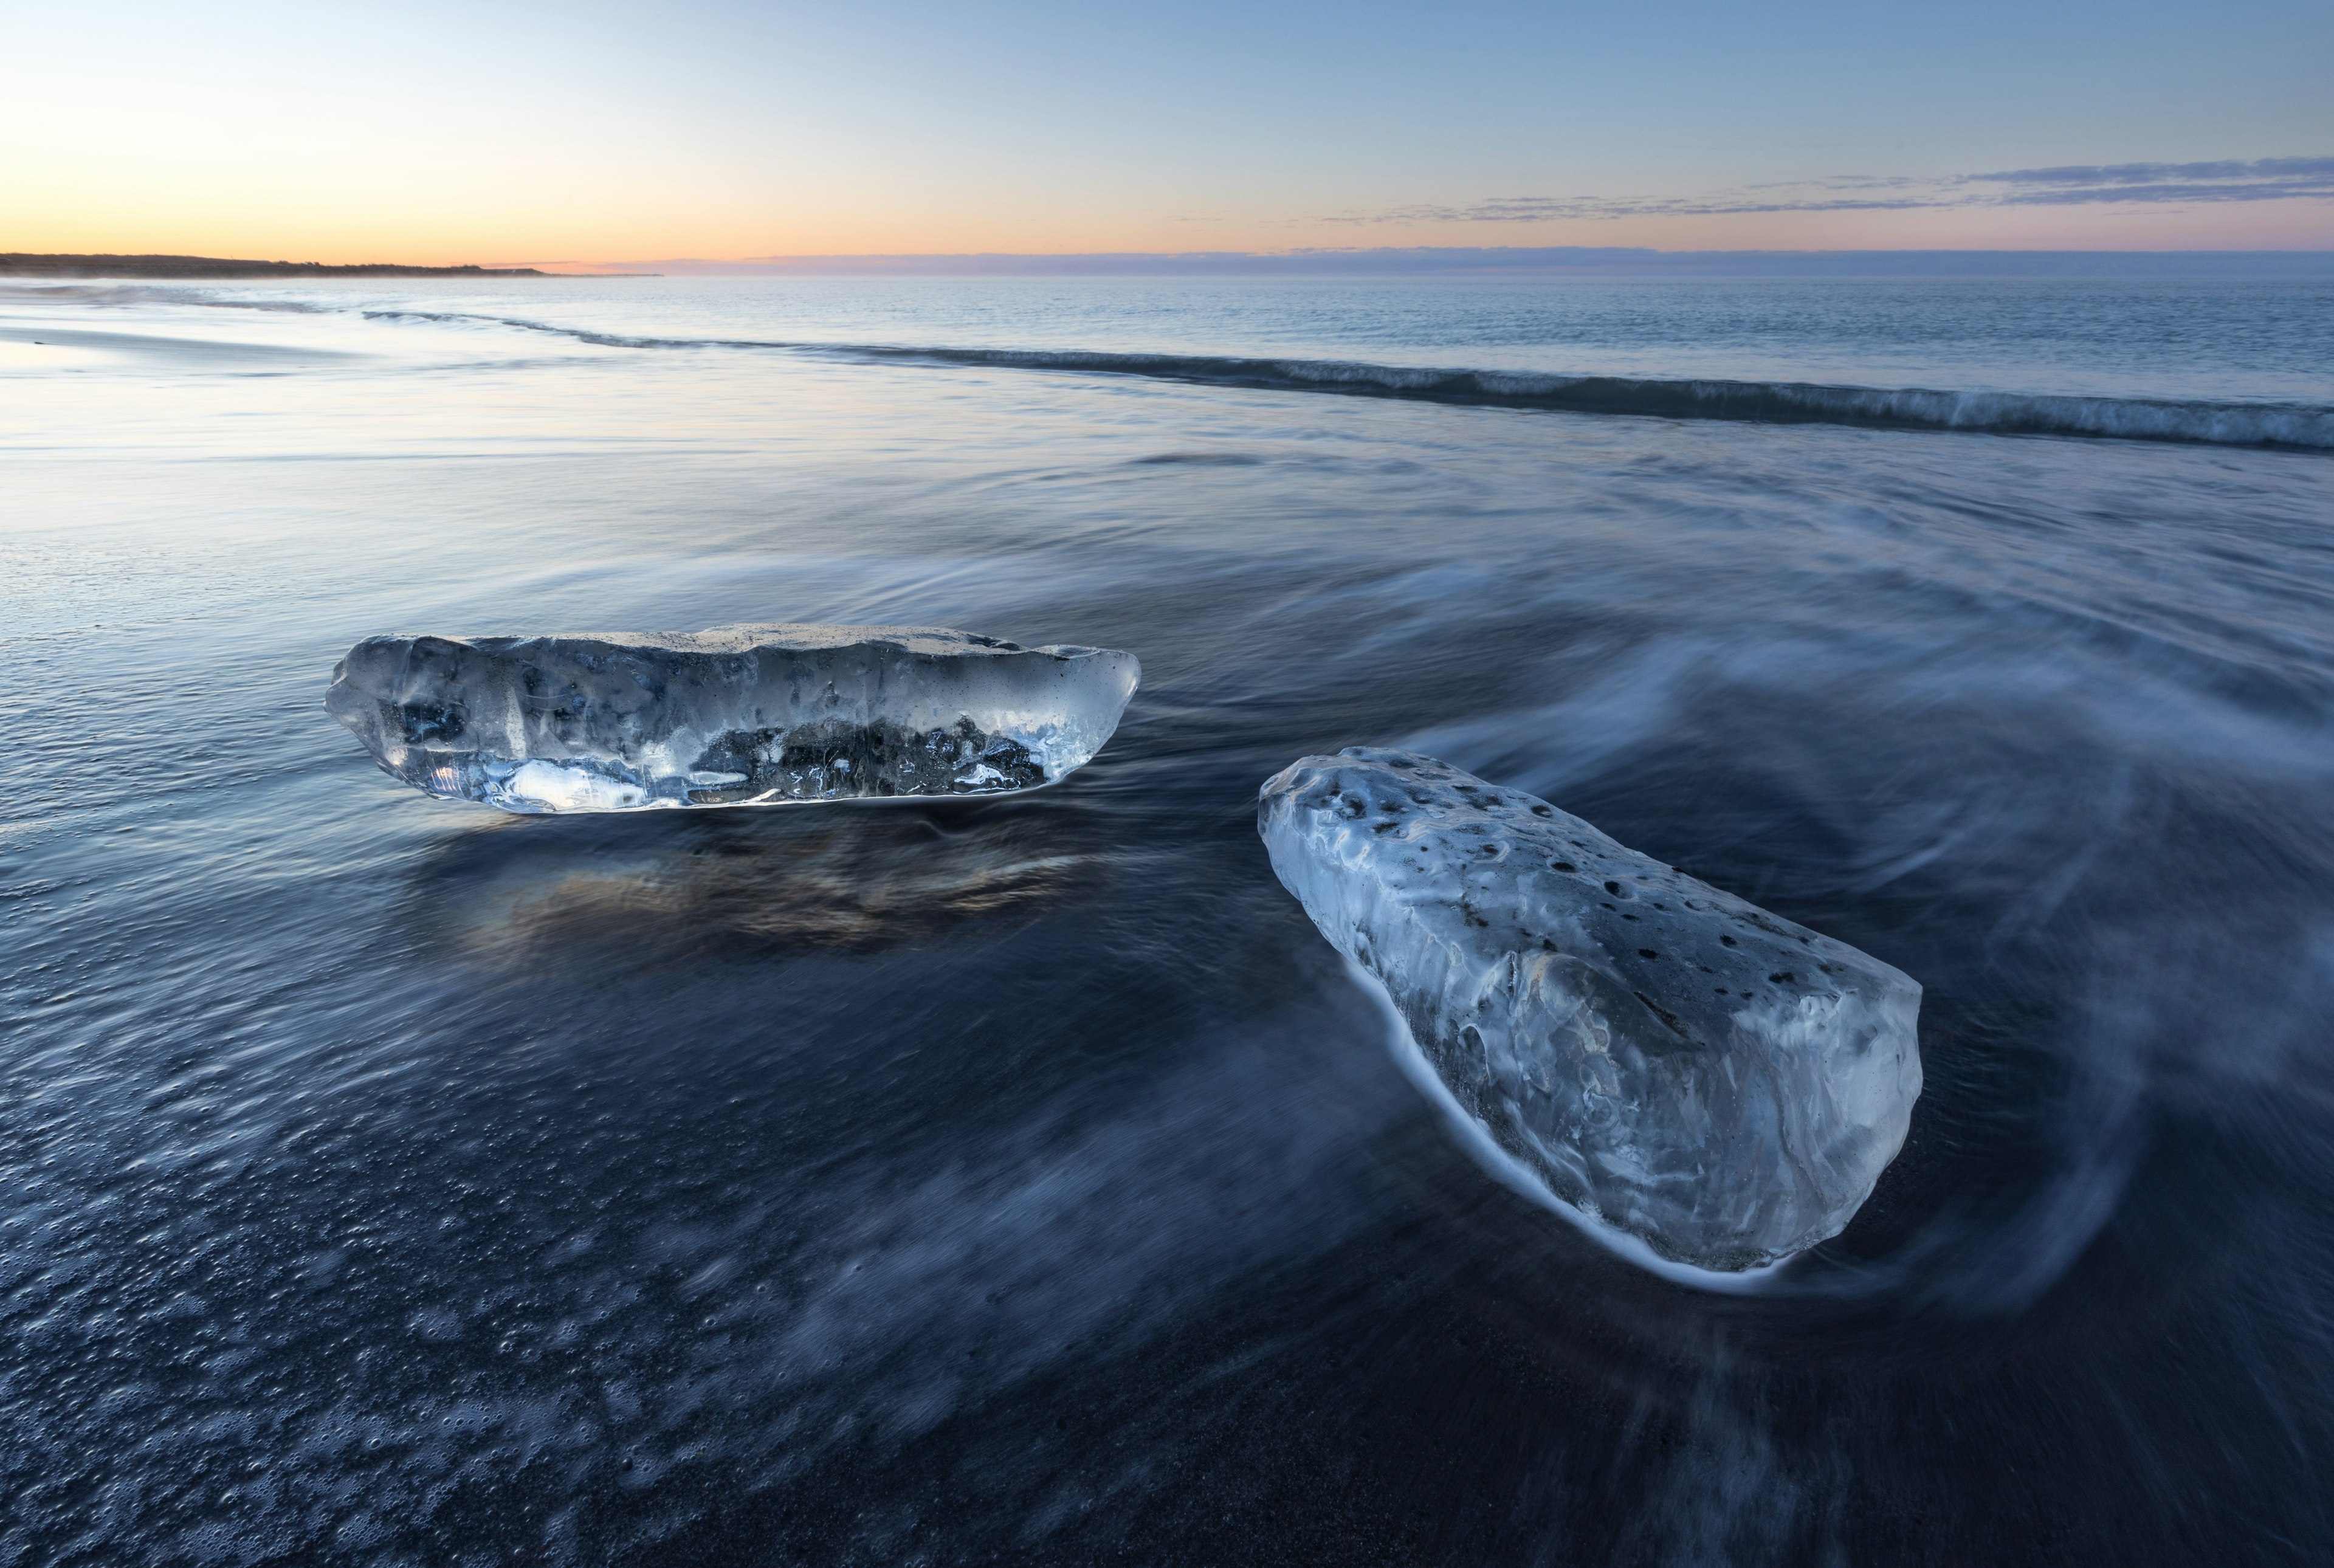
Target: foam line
2300 426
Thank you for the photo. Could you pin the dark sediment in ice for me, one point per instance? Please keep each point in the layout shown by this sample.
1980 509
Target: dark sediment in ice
735 716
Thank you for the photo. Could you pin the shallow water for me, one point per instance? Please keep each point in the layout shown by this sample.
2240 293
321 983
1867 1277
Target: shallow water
389 1179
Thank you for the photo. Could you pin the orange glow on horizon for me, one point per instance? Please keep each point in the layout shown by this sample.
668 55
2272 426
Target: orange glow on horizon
458 238
442 135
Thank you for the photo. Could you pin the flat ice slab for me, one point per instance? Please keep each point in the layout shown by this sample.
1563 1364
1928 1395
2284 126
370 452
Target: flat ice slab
772 715
1678 1064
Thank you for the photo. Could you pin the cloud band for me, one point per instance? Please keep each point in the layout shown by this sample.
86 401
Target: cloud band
2073 185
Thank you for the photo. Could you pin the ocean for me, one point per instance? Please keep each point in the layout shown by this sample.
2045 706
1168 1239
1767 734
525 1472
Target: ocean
385 1179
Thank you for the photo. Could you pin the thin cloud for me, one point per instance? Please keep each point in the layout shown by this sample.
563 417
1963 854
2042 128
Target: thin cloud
2262 179
2258 179
2316 170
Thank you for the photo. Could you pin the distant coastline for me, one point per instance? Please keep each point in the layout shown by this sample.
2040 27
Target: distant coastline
20 263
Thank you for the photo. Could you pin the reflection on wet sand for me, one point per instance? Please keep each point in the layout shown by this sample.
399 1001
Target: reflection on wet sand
850 877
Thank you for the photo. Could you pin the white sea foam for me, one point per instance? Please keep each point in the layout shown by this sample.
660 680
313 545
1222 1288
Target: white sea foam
2200 421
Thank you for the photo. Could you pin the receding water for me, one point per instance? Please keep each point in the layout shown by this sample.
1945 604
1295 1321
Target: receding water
386 1179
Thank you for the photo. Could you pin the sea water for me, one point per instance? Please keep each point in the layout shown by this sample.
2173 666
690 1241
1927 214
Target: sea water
389 1179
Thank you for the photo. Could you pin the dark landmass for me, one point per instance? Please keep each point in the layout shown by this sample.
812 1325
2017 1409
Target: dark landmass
19 264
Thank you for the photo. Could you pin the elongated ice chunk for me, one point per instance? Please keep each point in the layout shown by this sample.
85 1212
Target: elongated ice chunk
735 716
1673 1062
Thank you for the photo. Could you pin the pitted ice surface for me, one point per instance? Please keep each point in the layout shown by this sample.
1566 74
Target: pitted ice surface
1673 1062
737 716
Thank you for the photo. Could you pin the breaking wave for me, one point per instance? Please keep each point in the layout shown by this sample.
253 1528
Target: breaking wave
157 293
2304 426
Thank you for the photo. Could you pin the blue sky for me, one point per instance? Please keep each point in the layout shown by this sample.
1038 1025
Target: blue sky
595 132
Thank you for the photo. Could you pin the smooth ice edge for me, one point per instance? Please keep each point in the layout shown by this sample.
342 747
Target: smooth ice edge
1728 1116
1513 1174
810 713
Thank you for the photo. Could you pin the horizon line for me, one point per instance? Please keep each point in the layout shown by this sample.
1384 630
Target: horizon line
1466 258
1318 261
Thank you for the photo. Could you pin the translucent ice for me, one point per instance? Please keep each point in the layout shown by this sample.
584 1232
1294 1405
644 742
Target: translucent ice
735 716
1676 1064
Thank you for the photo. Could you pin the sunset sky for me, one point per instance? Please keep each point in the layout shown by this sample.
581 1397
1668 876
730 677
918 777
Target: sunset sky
590 132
